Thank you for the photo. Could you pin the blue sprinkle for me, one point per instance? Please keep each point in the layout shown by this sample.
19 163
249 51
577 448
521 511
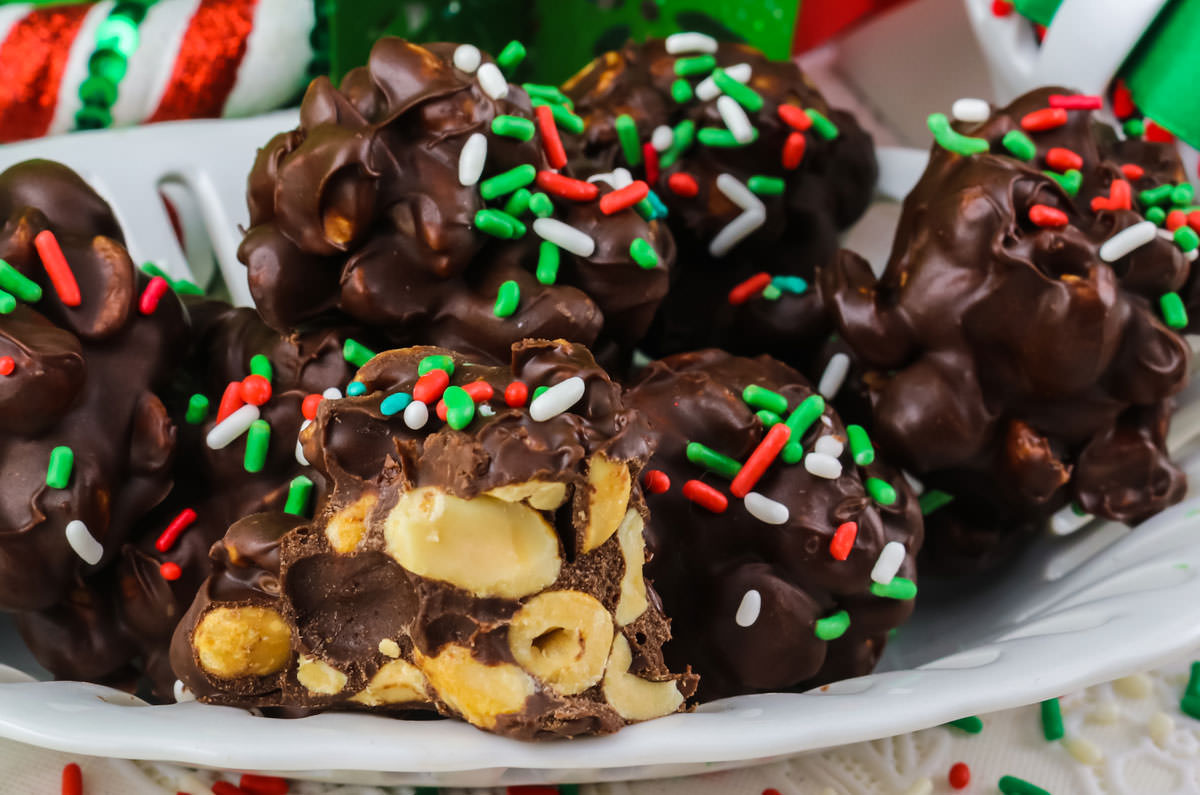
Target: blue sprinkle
660 209
790 284
355 388
395 403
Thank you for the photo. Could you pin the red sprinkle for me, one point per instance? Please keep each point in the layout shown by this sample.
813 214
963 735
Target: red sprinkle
7 365
1001 8
794 117
843 540
442 410
749 288
770 791
1044 119
516 393
1193 222
430 386
256 389
170 571
650 155
72 780
1076 101
180 523
682 184
480 390
760 460
225 788
1061 159
705 496
531 790
1046 216
566 187
624 198
152 295
1157 133
960 775
1120 197
263 785
1176 219
1132 171
60 273
657 481
231 400
1122 101
309 407
793 150
551 141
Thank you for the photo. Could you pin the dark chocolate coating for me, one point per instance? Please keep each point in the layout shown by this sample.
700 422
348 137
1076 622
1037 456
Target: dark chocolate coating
829 189
703 563
85 377
359 213
339 585
1006 363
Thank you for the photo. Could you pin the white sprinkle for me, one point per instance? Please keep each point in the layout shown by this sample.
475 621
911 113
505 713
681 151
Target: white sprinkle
623 177
831 446
485 410
467 57
747 612
736 231
917 486
1066 521
471 159
968 109
1084 751
556 399
823 466
834 375
573 240
662 138
332 393
922 786
1134 686
678 43
828 423
300 457
739 72
416 414
888 562
1107 713
1127 241
84 543
738 193
604 176
492 81
1191 255
735 119
232 427
1161 726
765 509
708 89
182 694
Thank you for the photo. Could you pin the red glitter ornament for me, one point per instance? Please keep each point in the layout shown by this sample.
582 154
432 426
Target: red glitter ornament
31 71
256 390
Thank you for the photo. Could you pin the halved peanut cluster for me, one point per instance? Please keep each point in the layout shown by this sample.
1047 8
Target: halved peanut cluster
487 565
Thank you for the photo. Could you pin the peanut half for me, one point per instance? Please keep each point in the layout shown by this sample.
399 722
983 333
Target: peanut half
478 692
631 696
233 642
607 499
562 638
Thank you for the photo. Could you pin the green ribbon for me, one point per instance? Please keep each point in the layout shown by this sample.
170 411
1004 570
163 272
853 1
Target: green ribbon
1163 72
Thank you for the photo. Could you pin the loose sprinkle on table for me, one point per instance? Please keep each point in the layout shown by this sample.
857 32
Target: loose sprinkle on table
1052 722
1011 785
970 724
72 780
959 776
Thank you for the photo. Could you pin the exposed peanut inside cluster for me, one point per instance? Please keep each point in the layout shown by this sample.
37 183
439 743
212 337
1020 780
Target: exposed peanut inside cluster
486 546
480 693
318 676
541 494
632 601
562 638
397 682
631 696
607 499
232 642
346 528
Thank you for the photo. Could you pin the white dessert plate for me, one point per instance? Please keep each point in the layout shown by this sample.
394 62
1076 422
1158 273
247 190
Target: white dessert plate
1042 627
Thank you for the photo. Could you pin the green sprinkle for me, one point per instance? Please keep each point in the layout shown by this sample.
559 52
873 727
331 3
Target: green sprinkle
804 416
951 140
721 138
1186 238
261 365
518 203
460 408
507 182
538 392
1019 145
62 461
258 439
970 724
1190 706
356 353
1134 128
550 93
769 419
711 460
513 127
1193 683
564 118
628 135
900 588
8 303
19 284
792 453
1156 214
860 445
437 361
683 136
643 253
645 209
1156 196
681 91
832 627
790 284
299 493
498 224
184 287
1011 785
1174 313
743 95
763 398
696 65
152 270
1182 194
507 299
764 185
772 293
356 388
1070 181
821 123
547 264
933 499
197 409
881 490
394 403
1052 722
541 205
511 56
